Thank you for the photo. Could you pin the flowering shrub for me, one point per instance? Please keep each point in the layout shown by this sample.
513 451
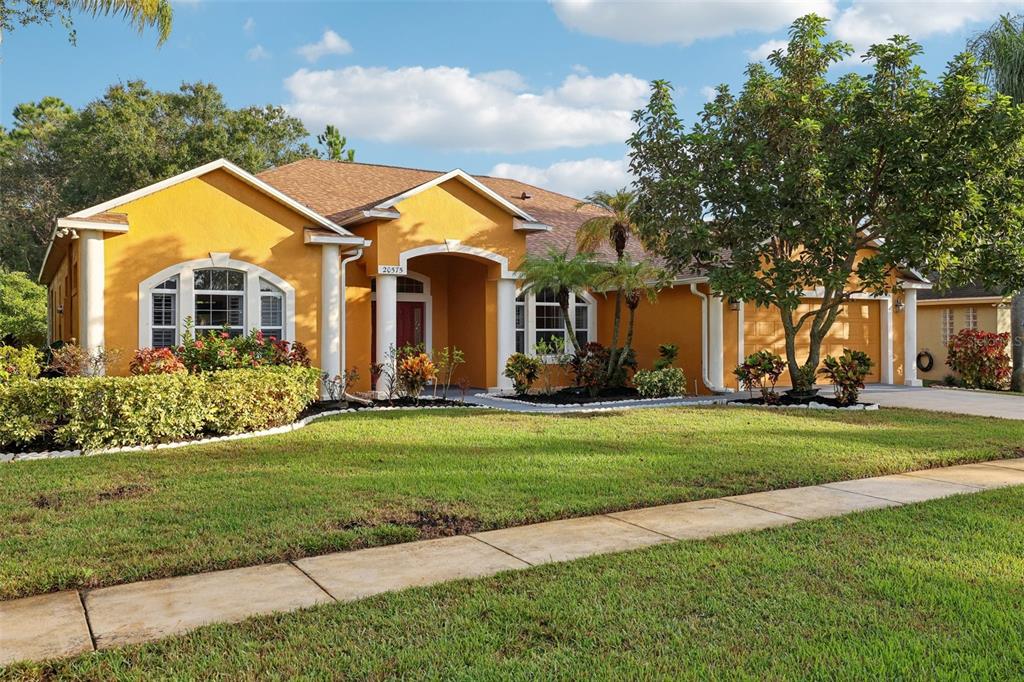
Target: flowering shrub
215 351
660 383
980 358
18 363
523 370
415 372
155 361
72 360
589 367
761 371
847 373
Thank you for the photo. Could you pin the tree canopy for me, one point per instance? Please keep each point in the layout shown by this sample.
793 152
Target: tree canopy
801 183
56 160
22 310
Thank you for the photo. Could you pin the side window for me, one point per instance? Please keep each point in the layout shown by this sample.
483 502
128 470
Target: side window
271 310
164 320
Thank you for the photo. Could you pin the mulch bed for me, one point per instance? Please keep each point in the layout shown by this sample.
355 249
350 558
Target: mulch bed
576 396
321 406
788 401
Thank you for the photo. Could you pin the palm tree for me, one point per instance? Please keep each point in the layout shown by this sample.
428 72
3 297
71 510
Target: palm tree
634 282
1001 48
616 227
563 275
141 13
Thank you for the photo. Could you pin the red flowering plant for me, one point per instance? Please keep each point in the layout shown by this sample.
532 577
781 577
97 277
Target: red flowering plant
980 358
414 373
155 361
589 367
216 350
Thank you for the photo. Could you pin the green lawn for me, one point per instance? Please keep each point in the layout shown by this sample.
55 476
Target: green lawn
927 591
368 479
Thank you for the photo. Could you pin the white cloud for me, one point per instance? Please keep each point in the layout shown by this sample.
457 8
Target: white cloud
575 178
451 108
257 53
249 26
762 51
655 22
329 43
866 22
708 93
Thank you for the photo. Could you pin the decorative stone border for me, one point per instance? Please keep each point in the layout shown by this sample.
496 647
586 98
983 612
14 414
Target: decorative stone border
630 401
286 428
859 407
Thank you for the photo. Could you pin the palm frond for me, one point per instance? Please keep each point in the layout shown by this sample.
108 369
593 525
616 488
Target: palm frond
141 13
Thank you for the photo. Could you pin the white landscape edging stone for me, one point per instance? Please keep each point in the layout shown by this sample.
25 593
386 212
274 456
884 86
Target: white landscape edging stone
286 428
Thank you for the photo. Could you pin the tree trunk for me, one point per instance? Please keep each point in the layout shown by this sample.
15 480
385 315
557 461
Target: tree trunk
1017 341
563 303
615 334
629 339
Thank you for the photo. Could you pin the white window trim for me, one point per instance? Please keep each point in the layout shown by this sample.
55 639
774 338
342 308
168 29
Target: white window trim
186 295
428 308
531 322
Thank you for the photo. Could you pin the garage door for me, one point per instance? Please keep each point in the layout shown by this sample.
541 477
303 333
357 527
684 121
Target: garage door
857 327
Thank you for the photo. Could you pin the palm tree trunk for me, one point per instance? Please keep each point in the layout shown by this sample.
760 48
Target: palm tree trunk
1017 341
563 304
615 333
628 345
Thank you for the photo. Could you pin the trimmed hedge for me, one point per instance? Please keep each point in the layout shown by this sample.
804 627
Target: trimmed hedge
103 412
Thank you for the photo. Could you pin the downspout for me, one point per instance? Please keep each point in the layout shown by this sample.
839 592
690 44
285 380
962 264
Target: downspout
704 338
344 320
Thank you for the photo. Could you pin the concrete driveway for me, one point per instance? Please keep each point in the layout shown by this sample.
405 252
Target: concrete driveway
946 400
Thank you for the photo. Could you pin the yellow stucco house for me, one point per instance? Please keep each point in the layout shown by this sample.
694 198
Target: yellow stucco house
352 259
943 314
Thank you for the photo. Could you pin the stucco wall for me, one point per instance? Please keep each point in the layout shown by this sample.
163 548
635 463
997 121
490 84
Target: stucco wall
213 213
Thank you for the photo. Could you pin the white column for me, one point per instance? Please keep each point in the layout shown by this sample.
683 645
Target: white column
741 334
910 338
387 313
506 328
716 343
887 350
330 310
91 274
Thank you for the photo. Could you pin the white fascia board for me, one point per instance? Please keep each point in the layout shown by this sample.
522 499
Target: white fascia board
219 164
916 285
469 180
527 226
993 300
312 237
372 214
86 224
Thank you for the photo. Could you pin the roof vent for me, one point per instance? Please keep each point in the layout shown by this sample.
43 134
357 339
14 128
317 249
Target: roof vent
524 196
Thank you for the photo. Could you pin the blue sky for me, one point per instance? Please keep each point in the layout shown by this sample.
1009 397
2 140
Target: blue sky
536 90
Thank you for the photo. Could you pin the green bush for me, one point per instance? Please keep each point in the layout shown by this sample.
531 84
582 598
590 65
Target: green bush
847 373
523 370
19 362
253 399
660 383
102 412
116 411
29 410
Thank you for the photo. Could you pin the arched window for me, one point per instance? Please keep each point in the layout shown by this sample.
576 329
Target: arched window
217 294
539 318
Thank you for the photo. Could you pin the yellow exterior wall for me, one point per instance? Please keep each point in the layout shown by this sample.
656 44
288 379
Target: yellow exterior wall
213 213
674 318
991 318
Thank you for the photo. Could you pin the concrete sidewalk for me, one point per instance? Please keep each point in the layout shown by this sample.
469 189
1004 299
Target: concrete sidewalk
69 623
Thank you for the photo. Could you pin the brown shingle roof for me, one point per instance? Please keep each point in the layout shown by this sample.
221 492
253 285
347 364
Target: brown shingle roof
339 190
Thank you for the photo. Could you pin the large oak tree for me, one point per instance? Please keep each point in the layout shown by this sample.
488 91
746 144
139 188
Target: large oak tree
781 189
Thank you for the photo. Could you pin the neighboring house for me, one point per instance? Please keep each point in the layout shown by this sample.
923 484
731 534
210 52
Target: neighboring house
352 259
942 314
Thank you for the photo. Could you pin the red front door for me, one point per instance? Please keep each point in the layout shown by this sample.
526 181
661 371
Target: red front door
411 324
